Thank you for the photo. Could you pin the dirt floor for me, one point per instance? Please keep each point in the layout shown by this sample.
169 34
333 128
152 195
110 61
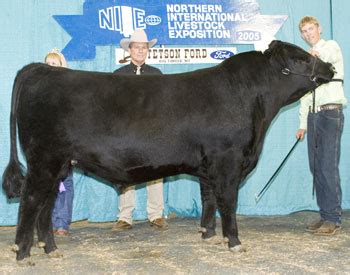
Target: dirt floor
275 245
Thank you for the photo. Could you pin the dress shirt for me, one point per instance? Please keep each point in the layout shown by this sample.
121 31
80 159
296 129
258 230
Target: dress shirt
331 92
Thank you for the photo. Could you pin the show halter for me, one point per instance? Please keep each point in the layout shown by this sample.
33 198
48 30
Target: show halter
312 76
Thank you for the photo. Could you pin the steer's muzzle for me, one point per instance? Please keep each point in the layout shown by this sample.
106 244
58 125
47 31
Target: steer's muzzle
324 72
332 68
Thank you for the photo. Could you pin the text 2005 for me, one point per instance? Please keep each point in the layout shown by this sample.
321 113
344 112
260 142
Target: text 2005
248 36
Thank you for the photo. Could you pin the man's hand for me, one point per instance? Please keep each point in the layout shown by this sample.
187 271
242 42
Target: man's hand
314 52
300 134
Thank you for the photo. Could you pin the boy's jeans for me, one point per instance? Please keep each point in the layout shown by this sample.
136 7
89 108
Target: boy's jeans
323 137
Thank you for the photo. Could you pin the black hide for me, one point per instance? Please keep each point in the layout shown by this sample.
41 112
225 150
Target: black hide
208 123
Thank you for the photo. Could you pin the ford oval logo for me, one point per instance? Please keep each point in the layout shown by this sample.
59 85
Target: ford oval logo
153 20
221 54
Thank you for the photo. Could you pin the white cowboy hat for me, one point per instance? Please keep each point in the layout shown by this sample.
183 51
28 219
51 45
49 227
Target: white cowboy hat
139 35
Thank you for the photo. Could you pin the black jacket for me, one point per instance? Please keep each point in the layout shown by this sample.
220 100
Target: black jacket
131 69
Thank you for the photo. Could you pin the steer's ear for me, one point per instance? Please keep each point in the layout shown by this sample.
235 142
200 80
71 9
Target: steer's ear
274 43
274 54
272 46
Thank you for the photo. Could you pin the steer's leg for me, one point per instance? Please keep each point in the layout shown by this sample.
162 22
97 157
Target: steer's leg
30 205
208 219
227 201
34 197
44 224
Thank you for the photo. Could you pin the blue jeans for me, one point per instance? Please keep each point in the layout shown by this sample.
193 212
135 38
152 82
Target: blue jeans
62 212
324 134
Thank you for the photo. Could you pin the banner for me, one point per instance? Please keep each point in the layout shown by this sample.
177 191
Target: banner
164 55
177 22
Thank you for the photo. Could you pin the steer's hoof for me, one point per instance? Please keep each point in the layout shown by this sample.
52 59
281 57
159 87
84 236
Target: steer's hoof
55 254
40 245
26 262
14 248
202 230
213 240
237 248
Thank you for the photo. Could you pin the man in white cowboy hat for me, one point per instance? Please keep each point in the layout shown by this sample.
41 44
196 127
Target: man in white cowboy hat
137 46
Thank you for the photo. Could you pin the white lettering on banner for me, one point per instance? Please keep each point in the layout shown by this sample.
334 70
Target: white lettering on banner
185 21
199 21
193 8
199 34
230 17
196 25
163 55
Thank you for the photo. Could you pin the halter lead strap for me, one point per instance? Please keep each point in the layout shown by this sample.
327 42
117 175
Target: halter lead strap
337 80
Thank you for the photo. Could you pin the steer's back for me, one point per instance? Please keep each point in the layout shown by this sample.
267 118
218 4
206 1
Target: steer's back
130 122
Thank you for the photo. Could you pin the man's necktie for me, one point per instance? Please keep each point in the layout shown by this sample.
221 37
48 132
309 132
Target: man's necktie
138 70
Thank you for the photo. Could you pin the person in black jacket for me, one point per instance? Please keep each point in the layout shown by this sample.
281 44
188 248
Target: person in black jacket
137 46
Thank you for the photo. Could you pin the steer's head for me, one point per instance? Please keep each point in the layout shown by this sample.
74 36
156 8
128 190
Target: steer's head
297 67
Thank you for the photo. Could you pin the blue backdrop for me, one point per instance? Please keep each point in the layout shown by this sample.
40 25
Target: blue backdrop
29 31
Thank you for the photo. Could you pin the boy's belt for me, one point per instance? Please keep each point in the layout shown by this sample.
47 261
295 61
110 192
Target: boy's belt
326 107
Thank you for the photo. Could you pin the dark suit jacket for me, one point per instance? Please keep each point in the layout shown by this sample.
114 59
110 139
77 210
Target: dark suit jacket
131 69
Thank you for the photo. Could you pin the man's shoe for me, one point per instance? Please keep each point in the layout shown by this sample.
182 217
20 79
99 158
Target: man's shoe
327 229
61 232
160 223
314 226
121 226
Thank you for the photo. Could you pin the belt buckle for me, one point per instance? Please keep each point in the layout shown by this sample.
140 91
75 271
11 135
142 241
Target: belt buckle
318 108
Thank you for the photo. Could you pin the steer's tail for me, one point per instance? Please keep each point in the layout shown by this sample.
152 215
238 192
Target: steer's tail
13 177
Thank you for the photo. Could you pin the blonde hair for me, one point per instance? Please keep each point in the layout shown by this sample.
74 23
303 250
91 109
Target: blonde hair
308 20
56 54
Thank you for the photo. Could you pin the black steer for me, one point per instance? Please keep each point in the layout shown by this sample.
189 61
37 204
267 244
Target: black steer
209 123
